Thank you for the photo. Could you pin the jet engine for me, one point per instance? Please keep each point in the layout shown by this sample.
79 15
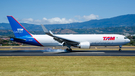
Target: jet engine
84 45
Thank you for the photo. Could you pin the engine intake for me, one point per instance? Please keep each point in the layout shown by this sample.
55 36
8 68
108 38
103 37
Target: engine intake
84 45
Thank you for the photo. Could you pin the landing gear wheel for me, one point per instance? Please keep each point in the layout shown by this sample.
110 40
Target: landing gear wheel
69 49
120 48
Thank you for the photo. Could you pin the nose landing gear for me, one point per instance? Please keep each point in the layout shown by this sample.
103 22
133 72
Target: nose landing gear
120 48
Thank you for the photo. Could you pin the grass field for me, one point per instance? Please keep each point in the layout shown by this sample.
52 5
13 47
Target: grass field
67 66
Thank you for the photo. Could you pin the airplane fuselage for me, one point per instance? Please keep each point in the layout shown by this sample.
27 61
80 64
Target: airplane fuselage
93 39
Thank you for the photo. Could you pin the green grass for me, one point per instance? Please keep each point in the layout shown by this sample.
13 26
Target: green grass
67 66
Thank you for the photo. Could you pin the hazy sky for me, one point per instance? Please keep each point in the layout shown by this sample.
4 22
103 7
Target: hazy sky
63 11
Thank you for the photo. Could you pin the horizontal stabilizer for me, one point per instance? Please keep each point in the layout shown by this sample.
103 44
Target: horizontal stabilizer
16 39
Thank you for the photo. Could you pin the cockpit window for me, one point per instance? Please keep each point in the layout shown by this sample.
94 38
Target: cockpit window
125 38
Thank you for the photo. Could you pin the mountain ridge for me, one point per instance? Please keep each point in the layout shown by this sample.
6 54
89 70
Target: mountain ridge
118 21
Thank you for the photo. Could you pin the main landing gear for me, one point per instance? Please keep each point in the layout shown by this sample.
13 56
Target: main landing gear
69 49
120 47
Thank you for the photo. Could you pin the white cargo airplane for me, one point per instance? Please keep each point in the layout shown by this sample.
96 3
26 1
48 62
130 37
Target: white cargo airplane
83 41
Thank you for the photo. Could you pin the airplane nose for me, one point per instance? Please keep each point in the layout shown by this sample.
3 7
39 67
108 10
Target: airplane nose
128 40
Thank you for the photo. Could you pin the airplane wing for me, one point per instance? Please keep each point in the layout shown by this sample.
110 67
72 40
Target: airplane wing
64 41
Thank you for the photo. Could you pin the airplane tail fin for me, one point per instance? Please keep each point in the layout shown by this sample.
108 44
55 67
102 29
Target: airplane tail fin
17 28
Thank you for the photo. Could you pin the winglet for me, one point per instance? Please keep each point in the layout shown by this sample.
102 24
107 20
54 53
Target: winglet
46 31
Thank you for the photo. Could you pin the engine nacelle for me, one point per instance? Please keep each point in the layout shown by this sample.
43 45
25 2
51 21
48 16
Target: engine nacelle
84 45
